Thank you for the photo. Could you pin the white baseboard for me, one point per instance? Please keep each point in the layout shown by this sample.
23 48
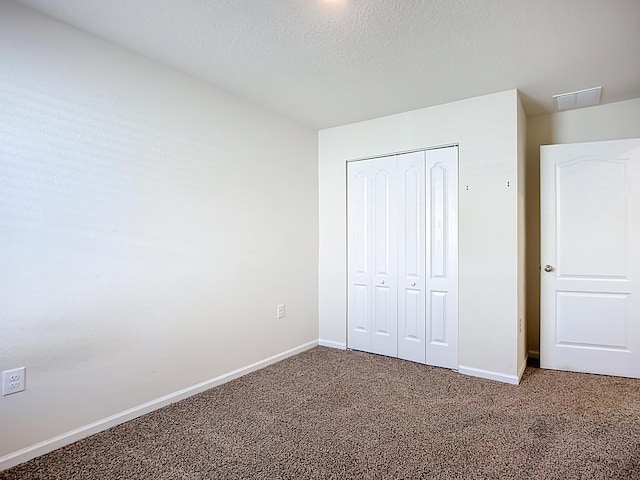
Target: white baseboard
490 375
521 370
46 446
534 354
332 344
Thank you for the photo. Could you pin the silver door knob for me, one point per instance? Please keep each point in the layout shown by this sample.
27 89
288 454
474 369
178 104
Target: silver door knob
413 284
548 268
381 282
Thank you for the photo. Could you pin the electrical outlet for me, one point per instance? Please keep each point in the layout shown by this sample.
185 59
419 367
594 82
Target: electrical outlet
280 310
13 381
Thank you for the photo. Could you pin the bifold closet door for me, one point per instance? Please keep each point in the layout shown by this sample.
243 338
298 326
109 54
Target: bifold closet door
411 256
403 256
428 257
372 268
442 257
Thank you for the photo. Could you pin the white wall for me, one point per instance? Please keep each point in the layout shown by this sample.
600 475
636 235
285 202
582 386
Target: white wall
149 225
605 122
486 130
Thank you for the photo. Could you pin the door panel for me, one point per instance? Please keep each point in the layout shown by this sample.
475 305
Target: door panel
413 321
438 318
359 227
585 187
359 306
437 189
590 239
579 322
381 311
411 257
381 222
442 257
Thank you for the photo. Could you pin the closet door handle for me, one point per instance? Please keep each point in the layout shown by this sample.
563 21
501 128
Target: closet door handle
381 282
413 284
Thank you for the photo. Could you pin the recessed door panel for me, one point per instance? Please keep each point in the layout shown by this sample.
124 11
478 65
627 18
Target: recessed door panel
413 317
580 322
360 225
381 219
381 312
360 313
592 209
438 182
413 213
438 318
590 280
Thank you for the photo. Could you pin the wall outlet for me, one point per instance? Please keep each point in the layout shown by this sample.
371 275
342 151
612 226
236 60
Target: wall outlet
13 381
280 310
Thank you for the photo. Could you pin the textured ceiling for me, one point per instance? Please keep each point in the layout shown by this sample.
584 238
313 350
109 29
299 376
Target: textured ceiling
331 62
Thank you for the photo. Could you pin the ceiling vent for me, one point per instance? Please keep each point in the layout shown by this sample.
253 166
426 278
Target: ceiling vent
579 99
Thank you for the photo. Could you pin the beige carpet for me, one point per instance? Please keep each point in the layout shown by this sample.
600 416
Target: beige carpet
334 414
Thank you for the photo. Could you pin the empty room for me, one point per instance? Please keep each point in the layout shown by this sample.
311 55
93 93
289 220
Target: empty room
319 239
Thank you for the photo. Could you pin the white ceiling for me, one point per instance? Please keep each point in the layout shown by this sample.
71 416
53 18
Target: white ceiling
331 62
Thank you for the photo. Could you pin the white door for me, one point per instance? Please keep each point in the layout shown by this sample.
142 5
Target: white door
384 216
590 254
372 213
359 263
403 256
442 257
411 257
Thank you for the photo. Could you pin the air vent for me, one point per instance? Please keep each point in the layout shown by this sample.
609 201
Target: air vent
579 99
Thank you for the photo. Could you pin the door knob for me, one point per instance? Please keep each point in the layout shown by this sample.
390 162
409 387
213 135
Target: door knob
548 268
413 284
381 282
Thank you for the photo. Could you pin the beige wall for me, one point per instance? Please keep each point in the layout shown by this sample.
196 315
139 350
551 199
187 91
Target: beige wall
605 122
149 226
486 130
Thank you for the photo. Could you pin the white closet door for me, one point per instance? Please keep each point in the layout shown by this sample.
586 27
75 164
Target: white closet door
384 339
403 256
359 262
411 257
442 257
372 265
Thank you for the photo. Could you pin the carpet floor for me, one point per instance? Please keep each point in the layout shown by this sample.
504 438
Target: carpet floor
330 414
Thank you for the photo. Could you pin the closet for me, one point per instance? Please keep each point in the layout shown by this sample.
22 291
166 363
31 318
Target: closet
403 256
